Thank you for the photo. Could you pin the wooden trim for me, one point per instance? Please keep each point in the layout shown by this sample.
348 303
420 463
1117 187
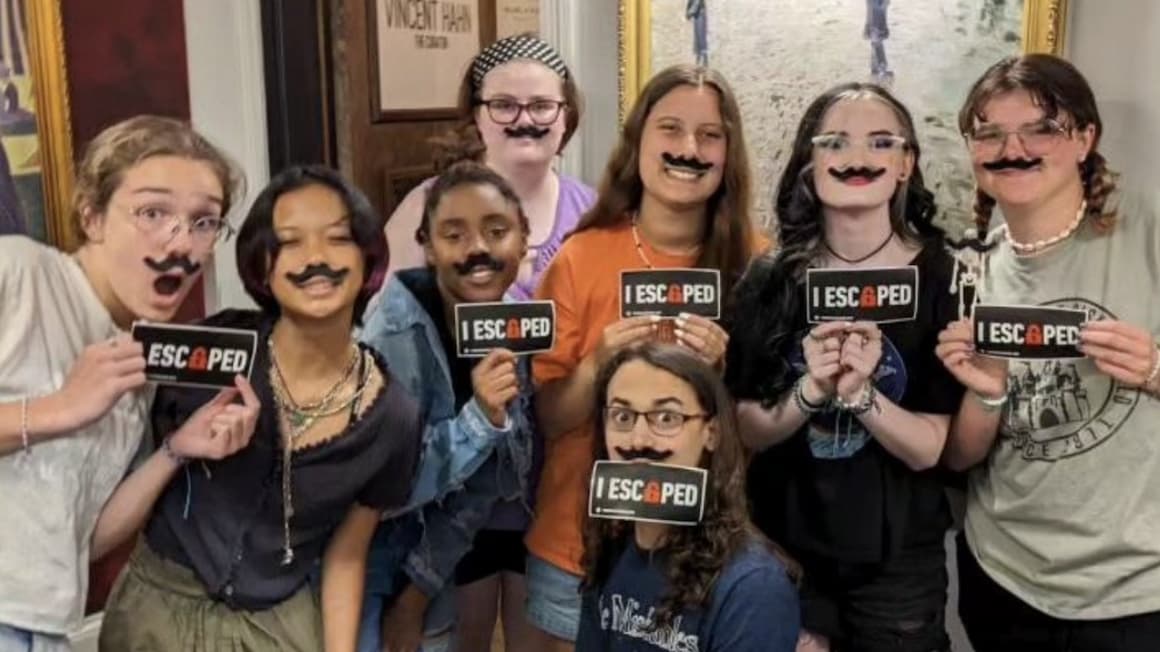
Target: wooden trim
53 126
299 94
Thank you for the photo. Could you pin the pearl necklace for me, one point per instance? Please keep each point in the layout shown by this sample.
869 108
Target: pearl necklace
1029 248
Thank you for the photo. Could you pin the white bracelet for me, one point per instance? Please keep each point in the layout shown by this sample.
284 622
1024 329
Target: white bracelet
990 404
24 424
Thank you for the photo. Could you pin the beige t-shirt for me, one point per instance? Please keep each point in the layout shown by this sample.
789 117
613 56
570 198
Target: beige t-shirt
50 498
1065 512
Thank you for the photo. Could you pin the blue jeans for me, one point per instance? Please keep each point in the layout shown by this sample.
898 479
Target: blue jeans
22 640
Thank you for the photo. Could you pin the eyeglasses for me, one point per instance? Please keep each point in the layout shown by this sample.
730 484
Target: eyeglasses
664 423
162 223
505 111
986 141
841 144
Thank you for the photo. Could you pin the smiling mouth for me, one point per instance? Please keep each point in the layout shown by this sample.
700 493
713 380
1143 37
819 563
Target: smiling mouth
858 176
683 173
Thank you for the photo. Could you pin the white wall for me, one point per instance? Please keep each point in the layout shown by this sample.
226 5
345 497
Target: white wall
1117 45
585 33
223 40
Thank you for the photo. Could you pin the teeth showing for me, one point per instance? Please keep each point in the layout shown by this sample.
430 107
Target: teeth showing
684 174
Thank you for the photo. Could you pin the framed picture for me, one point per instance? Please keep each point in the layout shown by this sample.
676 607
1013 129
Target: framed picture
778 55
418 54
36 160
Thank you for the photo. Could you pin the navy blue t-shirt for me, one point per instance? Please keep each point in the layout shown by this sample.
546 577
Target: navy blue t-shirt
753 607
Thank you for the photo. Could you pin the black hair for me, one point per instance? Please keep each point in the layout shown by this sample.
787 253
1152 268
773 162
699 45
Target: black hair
465 173
258 246
770 295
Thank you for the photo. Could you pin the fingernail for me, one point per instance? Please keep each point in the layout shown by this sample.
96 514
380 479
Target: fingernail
683 315
654 318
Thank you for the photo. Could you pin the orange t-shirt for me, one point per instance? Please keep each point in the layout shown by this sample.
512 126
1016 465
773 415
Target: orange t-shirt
584 281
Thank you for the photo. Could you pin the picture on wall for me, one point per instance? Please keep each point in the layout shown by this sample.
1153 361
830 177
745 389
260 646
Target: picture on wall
419 51
778 55
35 140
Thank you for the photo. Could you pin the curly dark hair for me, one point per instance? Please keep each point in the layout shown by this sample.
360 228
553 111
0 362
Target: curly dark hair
1058 88
770 294
696 554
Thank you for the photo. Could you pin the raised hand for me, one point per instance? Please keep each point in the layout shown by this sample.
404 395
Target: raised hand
983 375
495 384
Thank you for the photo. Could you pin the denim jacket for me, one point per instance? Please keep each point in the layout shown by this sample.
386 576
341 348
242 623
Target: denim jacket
467 465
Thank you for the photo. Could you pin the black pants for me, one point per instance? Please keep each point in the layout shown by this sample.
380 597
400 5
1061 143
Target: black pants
895 606
997 621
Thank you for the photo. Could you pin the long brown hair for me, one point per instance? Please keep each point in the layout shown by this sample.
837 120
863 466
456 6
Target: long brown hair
463 142
729 240
696 554
1057 87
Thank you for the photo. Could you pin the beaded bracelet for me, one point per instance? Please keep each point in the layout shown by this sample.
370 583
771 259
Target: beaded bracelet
803 403
24 424
863 405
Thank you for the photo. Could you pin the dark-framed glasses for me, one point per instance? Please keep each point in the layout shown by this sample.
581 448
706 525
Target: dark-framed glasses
664 423
840 144
987 140
506 111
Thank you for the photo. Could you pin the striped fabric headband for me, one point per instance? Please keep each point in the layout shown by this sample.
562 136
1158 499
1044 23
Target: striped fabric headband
521 46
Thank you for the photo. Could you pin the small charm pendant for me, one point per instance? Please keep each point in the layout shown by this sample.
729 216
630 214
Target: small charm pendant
288 557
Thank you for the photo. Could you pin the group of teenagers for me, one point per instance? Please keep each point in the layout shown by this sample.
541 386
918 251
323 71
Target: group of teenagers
366 488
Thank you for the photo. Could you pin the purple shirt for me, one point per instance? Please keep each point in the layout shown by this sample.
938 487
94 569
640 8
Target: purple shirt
573 200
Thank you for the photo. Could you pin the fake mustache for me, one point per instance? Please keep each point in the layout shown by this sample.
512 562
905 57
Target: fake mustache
526 131
846 174
475 261
650 454
173 262
1012 164
687 162
323 270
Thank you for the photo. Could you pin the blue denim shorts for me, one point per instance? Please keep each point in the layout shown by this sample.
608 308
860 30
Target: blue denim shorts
553 599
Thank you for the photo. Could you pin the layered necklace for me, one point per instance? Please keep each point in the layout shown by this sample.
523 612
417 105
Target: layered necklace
300 417
1031 248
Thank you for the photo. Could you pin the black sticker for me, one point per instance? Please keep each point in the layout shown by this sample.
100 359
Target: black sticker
201 356
876 294
640 491
522 327
670 292
1028 332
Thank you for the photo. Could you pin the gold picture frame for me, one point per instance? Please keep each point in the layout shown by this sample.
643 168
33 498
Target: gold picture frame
1044 25
53 126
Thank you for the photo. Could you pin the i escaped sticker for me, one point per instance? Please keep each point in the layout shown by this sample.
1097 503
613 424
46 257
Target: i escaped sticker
1028 332
670 292
656 493
522 327
201 356
877 294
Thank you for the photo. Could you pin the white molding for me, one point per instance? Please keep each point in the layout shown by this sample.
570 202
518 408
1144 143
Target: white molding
227 96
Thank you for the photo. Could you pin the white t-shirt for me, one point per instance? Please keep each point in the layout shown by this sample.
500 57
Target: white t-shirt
1065 512
50 498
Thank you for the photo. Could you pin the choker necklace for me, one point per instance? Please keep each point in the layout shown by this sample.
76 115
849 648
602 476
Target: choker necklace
1029 248
855 261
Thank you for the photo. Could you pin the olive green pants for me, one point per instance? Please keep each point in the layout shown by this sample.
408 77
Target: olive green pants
160 606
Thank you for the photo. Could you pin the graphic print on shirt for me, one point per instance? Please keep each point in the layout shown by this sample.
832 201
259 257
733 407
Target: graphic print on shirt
624 615
836 434
1059 408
